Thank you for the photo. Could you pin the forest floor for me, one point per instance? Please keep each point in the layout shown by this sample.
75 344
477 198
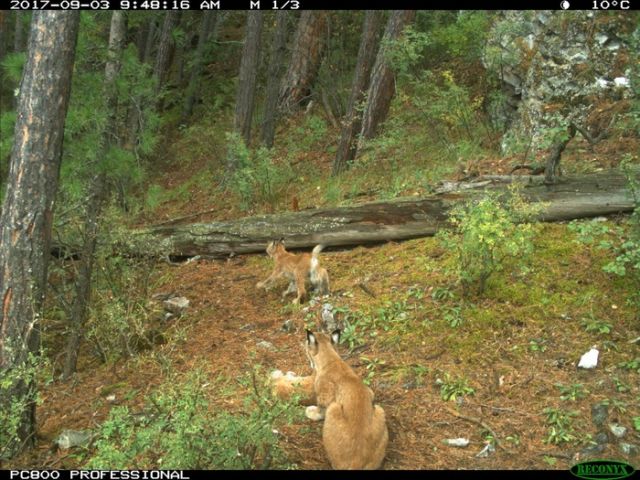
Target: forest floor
512 353
514 347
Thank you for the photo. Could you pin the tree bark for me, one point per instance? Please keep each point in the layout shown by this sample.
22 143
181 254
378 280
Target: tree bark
580 196
352 120
27 211
274 77
382 86
198 62
18 36
248 75
308 46
4 23
150 41
165 46
96 195
553 160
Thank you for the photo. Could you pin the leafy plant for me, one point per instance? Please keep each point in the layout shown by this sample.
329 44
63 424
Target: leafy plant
179 430
571 392
452 388
257 179
453 316
371 365
631 364
560 425
537 345
17 395
487 233
594 325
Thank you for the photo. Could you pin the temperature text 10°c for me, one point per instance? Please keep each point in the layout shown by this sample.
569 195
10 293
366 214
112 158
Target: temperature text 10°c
607 4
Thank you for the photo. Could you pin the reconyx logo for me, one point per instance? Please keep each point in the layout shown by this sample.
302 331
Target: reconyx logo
602 469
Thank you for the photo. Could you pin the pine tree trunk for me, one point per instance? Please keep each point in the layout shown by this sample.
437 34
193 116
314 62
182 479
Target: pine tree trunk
274 77
308 45
27 211
96 197
248 75
165 46
18 36
150 41
4 17
196 71
382 86
352 120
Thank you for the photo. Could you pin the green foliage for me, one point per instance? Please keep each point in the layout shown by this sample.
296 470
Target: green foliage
405 52
449 110
181 430
371 366
487 233
463 38
592 324
560 425
257 179
451 388
572 392
537 345
121 321
11 68
636 423
624 243
17 393
631 365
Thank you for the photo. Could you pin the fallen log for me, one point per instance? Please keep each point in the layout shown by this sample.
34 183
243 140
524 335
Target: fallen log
578 196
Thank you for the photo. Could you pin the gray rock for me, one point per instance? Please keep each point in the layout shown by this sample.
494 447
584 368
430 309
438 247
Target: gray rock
617 430
593 450
486 451
264 345
629 448
176 305
599 414
329 323
73 438
601 438
289 326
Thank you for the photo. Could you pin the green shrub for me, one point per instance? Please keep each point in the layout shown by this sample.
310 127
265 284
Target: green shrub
488 232
257 179
180 429
21 378
451 388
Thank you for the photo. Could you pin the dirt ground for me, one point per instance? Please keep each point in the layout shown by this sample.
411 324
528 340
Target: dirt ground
228 317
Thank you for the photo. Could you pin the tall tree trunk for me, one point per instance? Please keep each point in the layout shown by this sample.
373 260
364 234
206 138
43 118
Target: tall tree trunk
352 120
382 86
165 46
308 45
274 77
96 194
18 36
150 41
4 23
27 212
248 75
198 62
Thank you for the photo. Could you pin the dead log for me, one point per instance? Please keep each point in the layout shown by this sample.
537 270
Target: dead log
578 196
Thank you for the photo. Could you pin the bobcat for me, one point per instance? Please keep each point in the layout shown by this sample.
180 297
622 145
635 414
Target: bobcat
354 433
297 269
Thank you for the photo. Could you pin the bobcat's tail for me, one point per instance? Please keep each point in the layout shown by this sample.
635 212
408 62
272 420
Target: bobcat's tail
314 257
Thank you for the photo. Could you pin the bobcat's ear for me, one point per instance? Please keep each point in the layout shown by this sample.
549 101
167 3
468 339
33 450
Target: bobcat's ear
335 336
311 338
281 240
